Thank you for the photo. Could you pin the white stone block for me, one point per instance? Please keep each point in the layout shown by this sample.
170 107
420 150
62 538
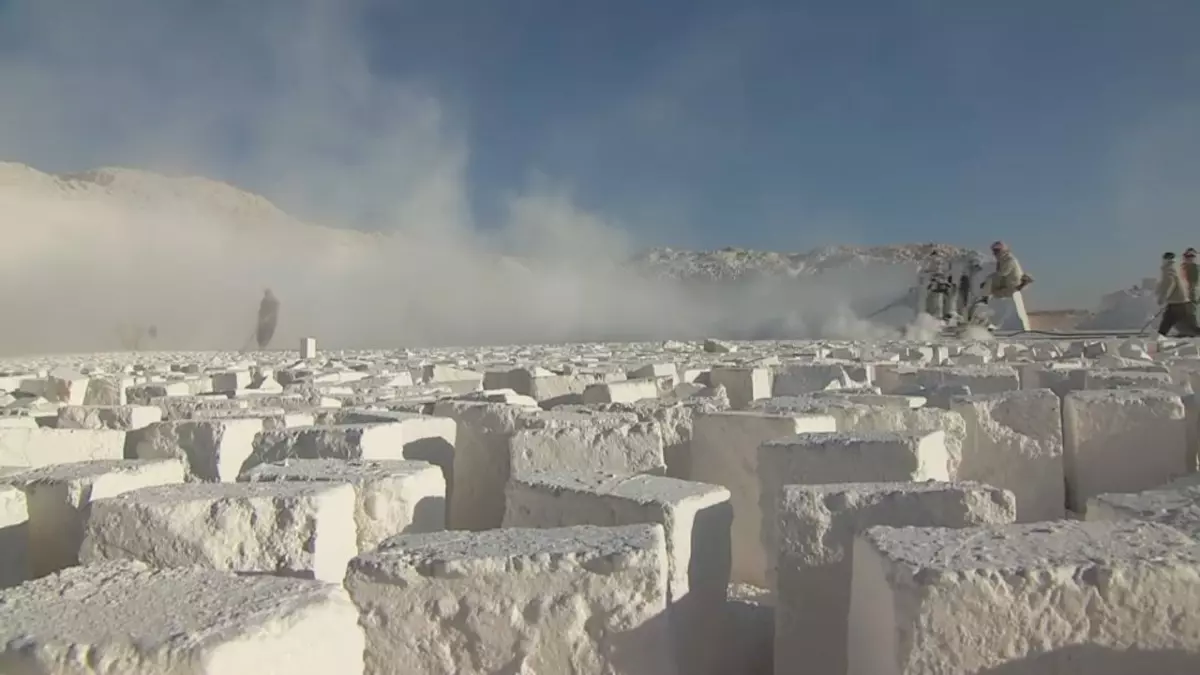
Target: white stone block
411 436
840 457
817 527
14 536
121 418
1015 441
725 452
298 529
1122 441
308 348
131 619
211 450
1176 504
696 518
232 381
1033 598
629 448
58 498
143 394
626 391
743 385
391 496
566 600
795 379
45 446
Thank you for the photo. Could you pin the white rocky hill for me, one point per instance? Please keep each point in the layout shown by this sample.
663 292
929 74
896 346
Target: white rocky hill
96 252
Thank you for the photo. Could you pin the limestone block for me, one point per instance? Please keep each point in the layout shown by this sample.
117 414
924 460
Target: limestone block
840 457
654 371
14 536
308 348
1127 379
817 526
743 385
1032 598
1015 441
629 448
18 422
391 496
58 497
989 379
297 529
44 446
696 519
144 394
411 436
121 418
795 379
65 386
1176 504
457 380
189 407
626 391
1122 441
128 618
565 600
725 452
231 381
211 450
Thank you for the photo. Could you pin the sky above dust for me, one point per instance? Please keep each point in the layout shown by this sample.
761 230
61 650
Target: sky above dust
1066 128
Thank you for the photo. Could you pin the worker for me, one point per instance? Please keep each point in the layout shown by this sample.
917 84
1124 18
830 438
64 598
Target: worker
1191 276
268 316
1006 283
1173 299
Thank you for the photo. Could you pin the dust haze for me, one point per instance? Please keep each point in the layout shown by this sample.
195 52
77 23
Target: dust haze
384 251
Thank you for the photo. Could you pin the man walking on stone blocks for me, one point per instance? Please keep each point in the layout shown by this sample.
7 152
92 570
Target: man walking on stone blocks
1191 277
1173 298
268 316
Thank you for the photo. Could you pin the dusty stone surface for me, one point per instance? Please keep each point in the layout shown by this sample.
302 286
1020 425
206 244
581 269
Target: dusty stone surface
130 618
14 536
300 529
1015 441
1032 597
581 599
817 525
391 496
58 497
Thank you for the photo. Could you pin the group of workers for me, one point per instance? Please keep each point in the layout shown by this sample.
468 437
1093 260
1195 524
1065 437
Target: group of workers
954 295
1178 294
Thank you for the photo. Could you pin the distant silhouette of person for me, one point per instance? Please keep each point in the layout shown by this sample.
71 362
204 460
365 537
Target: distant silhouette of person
268 316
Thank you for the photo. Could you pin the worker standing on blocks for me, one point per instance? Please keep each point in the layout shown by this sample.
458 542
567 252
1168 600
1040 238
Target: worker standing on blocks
1173 298
268 316
1005 284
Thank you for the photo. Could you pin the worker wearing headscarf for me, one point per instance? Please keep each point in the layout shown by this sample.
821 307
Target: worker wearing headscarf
1172 294
1006 283
268 316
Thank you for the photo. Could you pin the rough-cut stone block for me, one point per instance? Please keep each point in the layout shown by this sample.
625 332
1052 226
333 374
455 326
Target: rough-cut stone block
1033 598
566 600
742 385
211 450
308 348
58 498
1174 504
43 446
1015 441
817 527
1121 441
626 391
14 536
392 496
725 452
631 448
696 518
796 379
125 617
410 436
840 457
119 417
298 529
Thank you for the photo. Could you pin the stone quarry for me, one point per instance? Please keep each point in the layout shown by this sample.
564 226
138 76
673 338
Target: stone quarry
1016 506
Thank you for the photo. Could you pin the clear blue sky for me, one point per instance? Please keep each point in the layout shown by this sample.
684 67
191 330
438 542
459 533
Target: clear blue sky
1067 127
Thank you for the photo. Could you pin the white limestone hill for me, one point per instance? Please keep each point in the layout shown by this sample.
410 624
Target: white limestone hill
91 254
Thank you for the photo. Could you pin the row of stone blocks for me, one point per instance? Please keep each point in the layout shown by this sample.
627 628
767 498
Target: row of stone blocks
963 592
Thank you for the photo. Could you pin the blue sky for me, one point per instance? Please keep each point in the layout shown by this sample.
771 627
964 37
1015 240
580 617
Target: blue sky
1068 128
